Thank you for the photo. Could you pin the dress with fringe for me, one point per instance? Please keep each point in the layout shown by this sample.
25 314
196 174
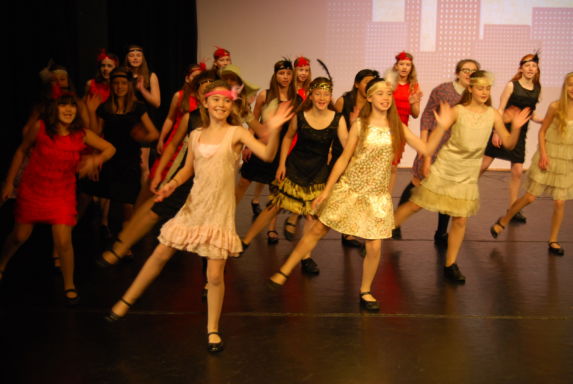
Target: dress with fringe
306 167
360 203
452 186
206 223
557 180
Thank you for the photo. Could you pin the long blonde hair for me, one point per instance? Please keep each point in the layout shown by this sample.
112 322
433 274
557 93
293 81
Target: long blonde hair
563 106
394 121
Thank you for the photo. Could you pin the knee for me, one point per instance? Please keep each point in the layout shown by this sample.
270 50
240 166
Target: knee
18 238
529 198
516 170
459 222
373 248
215 277
559 204
318 229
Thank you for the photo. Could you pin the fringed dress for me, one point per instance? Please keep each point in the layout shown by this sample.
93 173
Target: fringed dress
557 180
205 224
360 203
452 186
306 167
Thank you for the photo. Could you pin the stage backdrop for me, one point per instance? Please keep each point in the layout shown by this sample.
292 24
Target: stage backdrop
353 34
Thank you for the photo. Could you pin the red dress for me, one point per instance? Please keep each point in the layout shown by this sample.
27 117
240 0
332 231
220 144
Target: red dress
99 89
401 98
47 193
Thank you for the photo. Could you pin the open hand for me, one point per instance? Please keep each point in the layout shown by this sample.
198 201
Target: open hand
446 115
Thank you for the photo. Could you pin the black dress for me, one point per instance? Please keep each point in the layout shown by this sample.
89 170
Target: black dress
261 171
307 167
121 175
347 108
520 98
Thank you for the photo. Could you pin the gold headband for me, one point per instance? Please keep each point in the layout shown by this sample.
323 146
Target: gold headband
322 85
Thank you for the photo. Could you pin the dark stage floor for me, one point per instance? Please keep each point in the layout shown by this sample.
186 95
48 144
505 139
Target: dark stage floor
512 322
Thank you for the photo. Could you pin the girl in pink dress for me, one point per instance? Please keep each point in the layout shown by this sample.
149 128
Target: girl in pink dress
206 223
47 192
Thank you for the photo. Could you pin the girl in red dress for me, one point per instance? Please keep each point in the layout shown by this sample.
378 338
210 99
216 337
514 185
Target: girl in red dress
47 192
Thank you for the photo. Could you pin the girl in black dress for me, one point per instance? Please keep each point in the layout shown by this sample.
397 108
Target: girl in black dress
521 92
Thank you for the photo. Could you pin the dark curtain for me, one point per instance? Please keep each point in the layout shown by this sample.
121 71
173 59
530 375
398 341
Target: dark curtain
72 32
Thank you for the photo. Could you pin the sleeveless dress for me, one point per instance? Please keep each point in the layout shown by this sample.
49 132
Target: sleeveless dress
47 193
120 177
452 186
206 223
520 98
557 180
256 169
306 167
360 203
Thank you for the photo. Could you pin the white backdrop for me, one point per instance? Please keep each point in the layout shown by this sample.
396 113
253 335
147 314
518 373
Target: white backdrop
353 34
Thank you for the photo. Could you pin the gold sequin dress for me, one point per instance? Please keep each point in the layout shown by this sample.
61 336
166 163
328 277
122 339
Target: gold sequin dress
360 203
557 180
452 186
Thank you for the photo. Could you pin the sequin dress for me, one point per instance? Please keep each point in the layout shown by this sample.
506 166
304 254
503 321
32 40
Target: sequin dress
205 224
360 203
452 186
47 193
557 180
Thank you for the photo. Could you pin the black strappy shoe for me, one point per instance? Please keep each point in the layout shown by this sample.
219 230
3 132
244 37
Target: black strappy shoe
215 347
554 250
492 230
274 286
370 306
112 317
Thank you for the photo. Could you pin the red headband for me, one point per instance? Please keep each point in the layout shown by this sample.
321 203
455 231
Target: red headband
221 52
403 56
103 55
301 62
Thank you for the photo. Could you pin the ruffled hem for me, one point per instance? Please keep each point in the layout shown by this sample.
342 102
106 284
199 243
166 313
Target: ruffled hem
559 150
558 175
448 205
293 197
210 242
539 189
451 189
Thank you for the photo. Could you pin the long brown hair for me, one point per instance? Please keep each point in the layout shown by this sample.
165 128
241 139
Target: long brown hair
273 91
143 69
232 119
524 59
413 75
394 122
190 89
474 79
111 105
307 103
52 115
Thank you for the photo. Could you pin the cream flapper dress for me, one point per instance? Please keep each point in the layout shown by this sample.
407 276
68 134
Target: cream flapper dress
206 223
360 203
557 180
452 186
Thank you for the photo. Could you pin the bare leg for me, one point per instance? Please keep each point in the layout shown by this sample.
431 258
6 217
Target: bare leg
485 163
62 235
241 188
517 206
515 183
556 219
140 224
267 216
308 223
404 211
455 239
149 272
144 195
370 266
258 192
13 242
104 206
215 295
304 246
